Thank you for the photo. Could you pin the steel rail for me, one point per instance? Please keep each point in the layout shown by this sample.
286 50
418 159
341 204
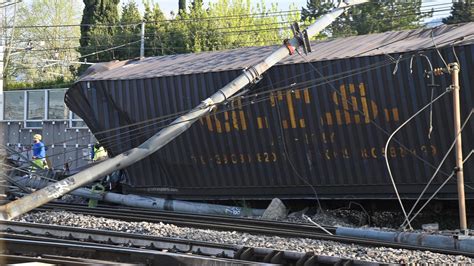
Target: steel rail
116 243
253 226
182 219
73 251
49 260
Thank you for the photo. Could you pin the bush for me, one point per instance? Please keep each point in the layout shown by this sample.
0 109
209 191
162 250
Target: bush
60 82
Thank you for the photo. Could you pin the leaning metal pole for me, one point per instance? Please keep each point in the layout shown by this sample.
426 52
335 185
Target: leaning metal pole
164 136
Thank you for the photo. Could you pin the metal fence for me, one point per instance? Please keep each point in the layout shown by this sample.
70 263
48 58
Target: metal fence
29 112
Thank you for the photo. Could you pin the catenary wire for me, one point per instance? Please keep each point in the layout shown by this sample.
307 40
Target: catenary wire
396 191
172 116
439 166
386 148
359 54
142 133
225 17
127 126
288 157
437 191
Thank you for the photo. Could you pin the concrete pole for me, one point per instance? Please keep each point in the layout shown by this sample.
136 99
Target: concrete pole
148 202
164 136
454 70
142 41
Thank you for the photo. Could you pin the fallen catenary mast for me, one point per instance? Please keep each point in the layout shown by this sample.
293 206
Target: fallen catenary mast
178 126
147 202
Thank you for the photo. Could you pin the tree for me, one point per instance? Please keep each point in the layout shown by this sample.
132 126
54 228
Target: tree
41 53
156 27
97 29
372 17
129 32
181 6
462 11
236 23
315 9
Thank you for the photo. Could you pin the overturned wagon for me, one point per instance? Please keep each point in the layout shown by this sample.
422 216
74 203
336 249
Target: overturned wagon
318 121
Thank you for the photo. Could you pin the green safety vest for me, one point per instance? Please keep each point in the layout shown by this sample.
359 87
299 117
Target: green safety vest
99 153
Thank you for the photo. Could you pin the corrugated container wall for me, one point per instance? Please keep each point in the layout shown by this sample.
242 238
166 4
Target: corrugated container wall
321 124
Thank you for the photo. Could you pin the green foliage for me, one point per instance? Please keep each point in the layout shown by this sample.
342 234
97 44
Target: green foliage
228 24
462 11
372 17
181 6
242 29
105 36
28 85
224 24
39 54
156 27
129 32
96 38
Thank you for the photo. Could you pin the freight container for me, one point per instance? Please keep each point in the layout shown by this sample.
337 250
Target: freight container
315 123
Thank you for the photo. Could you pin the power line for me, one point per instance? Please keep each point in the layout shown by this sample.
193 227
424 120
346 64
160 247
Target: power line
216 30
178 20
118 24
142 133
266 96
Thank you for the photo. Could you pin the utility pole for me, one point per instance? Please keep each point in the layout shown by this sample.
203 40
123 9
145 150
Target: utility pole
2 49
178 126
3 171
142 41
454 71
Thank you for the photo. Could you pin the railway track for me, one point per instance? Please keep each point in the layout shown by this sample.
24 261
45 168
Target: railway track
52 241
49 249
252 226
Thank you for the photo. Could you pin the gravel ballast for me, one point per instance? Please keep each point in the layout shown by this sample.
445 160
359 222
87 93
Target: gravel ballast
327 248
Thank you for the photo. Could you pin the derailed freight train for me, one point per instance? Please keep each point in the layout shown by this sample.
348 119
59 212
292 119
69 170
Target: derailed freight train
316 122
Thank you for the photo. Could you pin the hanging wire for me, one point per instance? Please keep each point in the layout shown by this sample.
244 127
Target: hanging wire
440 164
327 81
437 50
261 99
317 225
393 183
288 157
432 85
264 98
437 191
441 8
155 121
455 55
386 157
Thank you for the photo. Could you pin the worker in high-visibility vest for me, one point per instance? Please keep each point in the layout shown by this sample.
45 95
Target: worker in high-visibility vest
39 152
99 153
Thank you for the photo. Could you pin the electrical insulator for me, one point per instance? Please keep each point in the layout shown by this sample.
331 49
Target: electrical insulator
438 71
